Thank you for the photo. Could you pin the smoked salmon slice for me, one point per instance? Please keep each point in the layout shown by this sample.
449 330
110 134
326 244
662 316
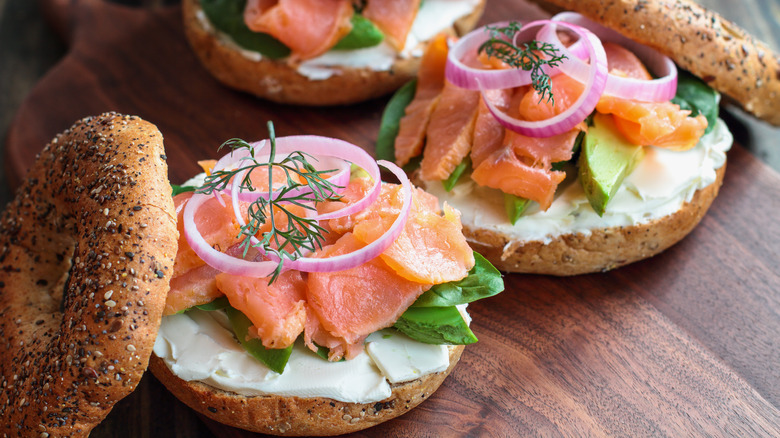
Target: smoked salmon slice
394 18
215 222
431 249
353 303
450 132
623 62
193 288
488 132
544 151
315 336
430 81
503 170
661 124
307 27
565 90
277 310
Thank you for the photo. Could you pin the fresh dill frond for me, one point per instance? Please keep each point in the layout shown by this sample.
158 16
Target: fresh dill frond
291 237
529 56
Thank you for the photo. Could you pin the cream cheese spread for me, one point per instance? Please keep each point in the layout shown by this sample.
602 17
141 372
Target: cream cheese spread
657 187
433 17
199 345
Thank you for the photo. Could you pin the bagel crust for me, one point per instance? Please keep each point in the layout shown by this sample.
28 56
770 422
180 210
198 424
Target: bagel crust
278 81
601 250
700 41
297 416
87 250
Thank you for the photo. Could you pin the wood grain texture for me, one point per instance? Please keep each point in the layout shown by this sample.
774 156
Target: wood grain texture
684 344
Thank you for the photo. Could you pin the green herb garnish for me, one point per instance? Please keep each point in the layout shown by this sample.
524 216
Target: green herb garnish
529 56
295 234
177 189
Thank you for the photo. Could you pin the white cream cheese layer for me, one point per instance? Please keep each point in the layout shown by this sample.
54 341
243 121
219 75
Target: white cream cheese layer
659 185
200 346
433 17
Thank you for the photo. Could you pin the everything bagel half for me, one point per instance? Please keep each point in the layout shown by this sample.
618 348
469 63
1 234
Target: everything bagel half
87 250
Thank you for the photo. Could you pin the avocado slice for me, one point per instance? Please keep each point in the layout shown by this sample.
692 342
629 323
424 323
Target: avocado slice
606 159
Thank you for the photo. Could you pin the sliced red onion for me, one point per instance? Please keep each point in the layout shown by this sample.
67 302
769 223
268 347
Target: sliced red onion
475 78
316 146
594 76
373 249
211 256
661 89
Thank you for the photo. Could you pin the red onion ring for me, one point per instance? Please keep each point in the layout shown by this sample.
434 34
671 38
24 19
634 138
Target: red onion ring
594 78
318 146
373 249
211 256
661 89
472 78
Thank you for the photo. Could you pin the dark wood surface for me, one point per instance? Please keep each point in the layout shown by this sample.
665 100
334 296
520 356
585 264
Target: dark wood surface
683 344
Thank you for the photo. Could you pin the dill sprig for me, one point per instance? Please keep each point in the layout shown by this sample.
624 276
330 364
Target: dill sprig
529 56
289 237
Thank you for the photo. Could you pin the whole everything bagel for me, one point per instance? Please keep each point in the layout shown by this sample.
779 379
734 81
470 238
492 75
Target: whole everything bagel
700 41
87 250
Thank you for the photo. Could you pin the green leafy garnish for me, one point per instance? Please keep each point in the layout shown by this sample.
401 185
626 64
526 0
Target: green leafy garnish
695 95
228 17
181 189
464 168
435 325
515 206
275 359
529 56
218 304
289 239
363 34
483 281
391 118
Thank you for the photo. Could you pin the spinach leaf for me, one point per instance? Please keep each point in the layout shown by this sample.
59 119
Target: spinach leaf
695 95
483 281
228 17
182 189
275 359
464 168
391 117
363 34
515 206
435 325
218 304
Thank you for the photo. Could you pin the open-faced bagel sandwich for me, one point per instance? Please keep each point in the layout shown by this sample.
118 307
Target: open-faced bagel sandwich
310 298
569 147
319 52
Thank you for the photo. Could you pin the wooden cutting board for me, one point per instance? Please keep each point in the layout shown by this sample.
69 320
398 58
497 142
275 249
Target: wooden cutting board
683 344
